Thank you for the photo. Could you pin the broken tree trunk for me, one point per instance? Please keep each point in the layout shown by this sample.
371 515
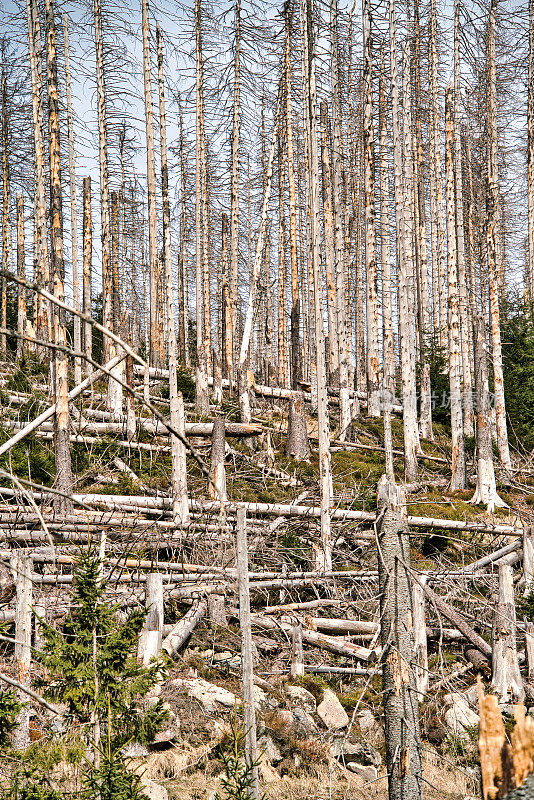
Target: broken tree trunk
297 434
184 628
217 486
506 681
151 635
23 568
420 639
401 708
247 671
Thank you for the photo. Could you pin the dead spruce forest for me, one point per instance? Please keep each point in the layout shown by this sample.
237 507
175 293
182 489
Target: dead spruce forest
267 400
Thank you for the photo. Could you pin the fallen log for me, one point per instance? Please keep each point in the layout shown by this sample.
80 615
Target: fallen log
236 429
184 628
453 616
315 639
45 415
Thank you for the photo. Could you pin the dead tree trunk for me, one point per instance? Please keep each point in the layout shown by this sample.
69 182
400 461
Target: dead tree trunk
234 197
105 221
178 469
404 248
62 503
401 708
329 247
486 491
217 487
530 151
420 639
41 270
506 680
156 346
150 639
73 209
324 553
23 566
202 399
457 433
295 290
297 434
492 198
87 267
247 670
373 365
21 272
6 202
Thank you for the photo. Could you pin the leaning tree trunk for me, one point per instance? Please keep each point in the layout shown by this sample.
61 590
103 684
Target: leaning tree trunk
400 699
457 432
62 503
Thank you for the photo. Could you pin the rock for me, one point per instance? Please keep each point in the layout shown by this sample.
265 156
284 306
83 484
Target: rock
366 720
304 723
207 693
153 790
164 740
267 773
298 696
268 749
224 656
459 716
135 750
355 752
260 698
367 774
471 695
331 712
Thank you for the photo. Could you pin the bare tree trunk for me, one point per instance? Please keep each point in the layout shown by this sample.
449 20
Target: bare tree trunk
23 567
41 270
21 272
373 365
296 369
405 271
156 347
73 210
506 681
457 432
234 198
324 553
492 197
6 201
297 434
115 393
150 640
184 293
105 222
247 670
178 459
486 491
282 267
401 709
436 196
62 504
87 267
388 358
202 399
339 206
463 307
227 320
530 152
329 247
217 489
420 639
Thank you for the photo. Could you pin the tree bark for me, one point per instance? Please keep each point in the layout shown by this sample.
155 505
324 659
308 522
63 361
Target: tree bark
64 481
457 434
73 208
202 400
87 268
150 640
234 197
506 680
21 272
297 434
492 200
329 248
217 488
400 699
373 365
23 567
324 553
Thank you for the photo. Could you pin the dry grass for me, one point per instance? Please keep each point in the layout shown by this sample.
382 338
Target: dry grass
441 783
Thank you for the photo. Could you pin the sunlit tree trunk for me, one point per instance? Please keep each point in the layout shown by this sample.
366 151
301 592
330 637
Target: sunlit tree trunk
329 247
73 210
492 196
21 272
388 358
62 503
202 401
234 198
455 366
87 266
